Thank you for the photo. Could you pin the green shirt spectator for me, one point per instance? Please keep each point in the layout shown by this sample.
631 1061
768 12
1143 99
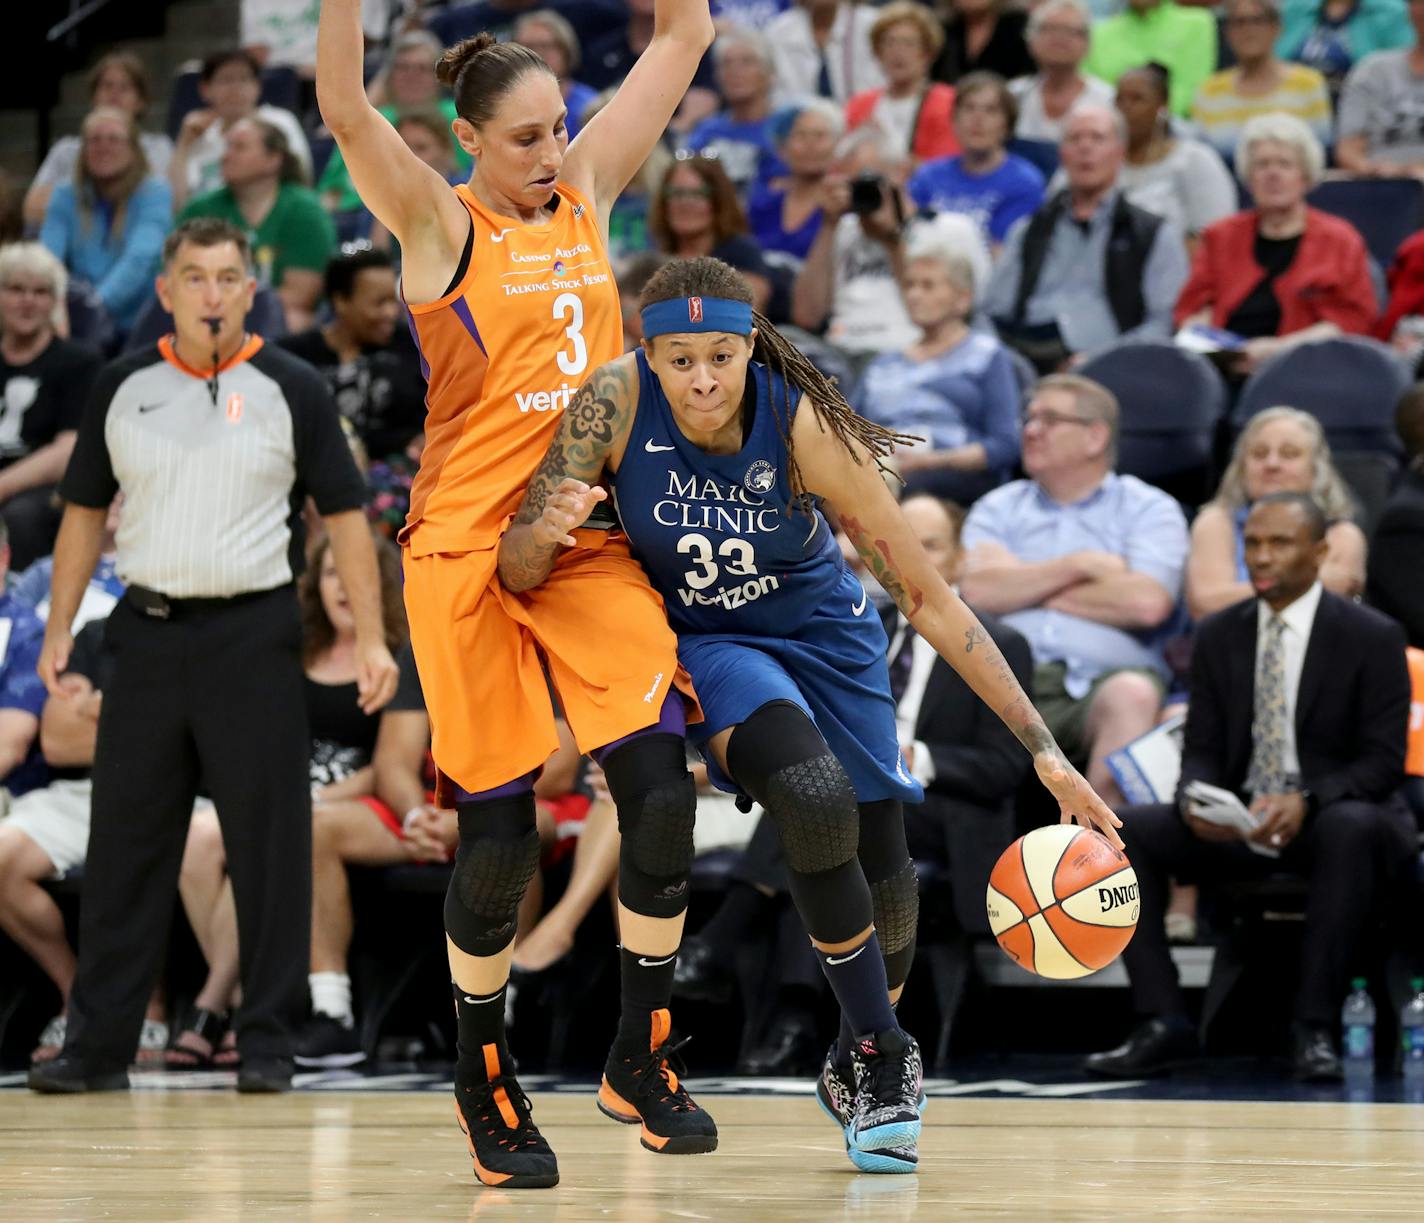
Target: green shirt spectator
1182 40
335 187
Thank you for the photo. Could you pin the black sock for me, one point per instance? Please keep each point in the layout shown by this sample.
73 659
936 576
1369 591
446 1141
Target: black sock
740 910
479 1021
857 978
846 1039
646 987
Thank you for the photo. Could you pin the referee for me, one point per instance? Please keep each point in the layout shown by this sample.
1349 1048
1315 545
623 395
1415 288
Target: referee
215 441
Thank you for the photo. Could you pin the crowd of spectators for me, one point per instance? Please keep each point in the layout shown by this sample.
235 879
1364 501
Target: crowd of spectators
951 205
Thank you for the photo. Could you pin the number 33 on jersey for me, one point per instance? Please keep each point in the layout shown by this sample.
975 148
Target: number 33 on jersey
504 352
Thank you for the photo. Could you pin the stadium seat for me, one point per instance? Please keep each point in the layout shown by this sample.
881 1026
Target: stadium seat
154 322
1042 153
1349 384
1384 210
1371 477
1171 402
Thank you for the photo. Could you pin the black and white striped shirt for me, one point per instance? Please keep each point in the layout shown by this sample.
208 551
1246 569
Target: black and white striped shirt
212 492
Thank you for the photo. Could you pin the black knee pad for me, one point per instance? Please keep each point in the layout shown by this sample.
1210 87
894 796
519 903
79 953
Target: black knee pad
496 859
896 904
657 806
778 757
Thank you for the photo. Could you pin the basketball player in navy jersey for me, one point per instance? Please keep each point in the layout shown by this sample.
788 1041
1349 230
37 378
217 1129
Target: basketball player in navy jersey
718 470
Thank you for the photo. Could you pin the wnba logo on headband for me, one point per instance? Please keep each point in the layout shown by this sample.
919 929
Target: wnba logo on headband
694 309
692 314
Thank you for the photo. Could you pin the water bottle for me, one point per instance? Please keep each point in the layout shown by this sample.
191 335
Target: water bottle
1357 1019
1411 1035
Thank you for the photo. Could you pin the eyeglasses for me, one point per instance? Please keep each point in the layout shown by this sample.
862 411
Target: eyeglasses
1049 418
688 193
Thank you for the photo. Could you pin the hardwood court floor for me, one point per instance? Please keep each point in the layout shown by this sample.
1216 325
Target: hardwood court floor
157 1156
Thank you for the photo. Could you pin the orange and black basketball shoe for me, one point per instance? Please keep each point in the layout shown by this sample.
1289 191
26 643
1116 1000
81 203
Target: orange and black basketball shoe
508 1150
640 1085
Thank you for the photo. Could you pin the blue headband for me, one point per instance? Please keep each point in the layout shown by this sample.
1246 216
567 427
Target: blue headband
682 314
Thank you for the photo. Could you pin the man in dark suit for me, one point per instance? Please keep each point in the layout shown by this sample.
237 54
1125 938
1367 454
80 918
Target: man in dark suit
1396 578
968 761
1299 705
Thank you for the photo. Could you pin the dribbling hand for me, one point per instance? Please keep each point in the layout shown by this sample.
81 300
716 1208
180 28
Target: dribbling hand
1077 800
567 508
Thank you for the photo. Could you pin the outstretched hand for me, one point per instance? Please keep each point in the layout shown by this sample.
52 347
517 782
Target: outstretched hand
566 509
1077 800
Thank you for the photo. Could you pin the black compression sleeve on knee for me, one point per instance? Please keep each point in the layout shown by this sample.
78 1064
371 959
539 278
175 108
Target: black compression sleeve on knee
883 848
497 857
657 805
894 890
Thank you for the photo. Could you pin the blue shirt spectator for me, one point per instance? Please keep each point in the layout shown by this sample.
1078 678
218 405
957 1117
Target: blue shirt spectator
105 589
746 14
108 226
589 18
740 136
1006 194
22 693
785 213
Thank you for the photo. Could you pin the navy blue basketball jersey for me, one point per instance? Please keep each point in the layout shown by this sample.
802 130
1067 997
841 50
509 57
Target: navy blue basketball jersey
713 530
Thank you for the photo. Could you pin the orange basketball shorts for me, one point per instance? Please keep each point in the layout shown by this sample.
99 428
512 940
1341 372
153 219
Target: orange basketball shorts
595 622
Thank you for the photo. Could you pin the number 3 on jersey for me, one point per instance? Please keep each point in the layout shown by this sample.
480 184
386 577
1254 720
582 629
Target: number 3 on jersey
570 305
737 555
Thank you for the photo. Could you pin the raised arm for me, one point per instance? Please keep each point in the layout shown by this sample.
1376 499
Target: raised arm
850 481
562 493
406 196
608 152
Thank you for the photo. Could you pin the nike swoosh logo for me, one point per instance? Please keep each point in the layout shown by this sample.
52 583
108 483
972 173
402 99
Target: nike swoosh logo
845 959
478 1001
659 963
499 237
149 407
860 607
653 448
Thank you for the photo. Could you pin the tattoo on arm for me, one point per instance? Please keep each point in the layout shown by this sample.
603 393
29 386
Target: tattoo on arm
881 562
1019 715
591 422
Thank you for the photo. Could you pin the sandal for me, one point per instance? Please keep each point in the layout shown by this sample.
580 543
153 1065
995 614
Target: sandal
208 1026
226 1057
51 1041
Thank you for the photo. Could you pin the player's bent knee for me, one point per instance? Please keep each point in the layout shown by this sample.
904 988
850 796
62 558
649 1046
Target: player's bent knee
497 857
813 804
657 806
895 901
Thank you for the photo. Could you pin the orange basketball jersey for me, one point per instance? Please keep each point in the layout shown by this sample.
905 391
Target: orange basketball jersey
504 352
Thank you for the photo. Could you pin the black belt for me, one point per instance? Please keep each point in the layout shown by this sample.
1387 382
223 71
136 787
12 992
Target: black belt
160 607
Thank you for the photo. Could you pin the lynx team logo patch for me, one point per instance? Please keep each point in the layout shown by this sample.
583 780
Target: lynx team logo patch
694 309
760 476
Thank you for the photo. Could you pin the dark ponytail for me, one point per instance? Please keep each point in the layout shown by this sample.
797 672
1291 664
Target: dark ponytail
708 277
479 71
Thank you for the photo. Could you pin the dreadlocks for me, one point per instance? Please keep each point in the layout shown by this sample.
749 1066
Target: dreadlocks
708 277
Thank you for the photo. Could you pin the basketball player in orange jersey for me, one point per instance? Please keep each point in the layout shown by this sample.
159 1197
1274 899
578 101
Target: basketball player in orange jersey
513 304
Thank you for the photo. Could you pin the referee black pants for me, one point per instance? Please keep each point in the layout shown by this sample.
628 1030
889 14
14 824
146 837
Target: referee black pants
214 695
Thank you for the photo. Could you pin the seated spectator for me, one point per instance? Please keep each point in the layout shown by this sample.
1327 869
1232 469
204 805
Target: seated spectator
786 213
105 589
822 50
1281 450
1331 36
848 284
739 136
551 37
1300 703
118 80
696 212
733 16
1176 177
44 384
278 34
343 738
263 193
1088 268
369 362
1181 39
22 692
410 87
913 115
231 89
1282 272
608 58
1087 565
1396 578
46 833
107 226
1402 323
1058 33
955 387
982 36
631 281
1260 82
424 133
986 182
628 232
1379 132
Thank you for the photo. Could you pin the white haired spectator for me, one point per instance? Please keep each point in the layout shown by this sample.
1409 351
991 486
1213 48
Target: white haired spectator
786 214
1058 33
739 136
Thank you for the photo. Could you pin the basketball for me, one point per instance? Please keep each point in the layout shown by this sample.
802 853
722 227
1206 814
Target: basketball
1062 901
